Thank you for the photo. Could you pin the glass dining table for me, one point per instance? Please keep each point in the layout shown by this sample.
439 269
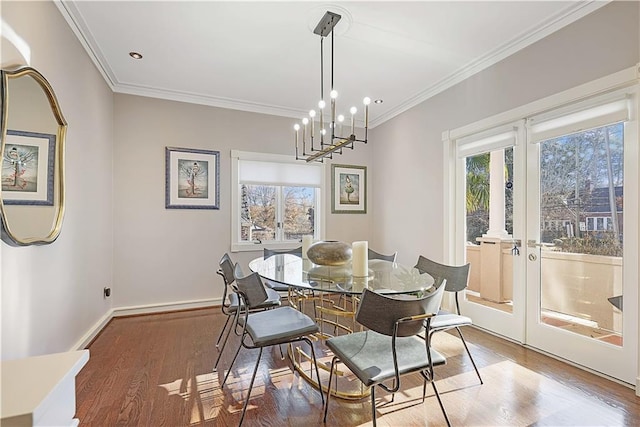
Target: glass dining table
330 294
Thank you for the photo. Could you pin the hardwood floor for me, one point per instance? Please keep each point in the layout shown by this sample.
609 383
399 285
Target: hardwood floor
156 370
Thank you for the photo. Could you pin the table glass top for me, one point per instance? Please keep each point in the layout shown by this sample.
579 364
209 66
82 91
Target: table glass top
384 276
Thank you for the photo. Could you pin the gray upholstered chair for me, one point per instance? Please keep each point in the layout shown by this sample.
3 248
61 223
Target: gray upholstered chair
376 255
268 253
271 252
391 346
230 301
262 329
457 278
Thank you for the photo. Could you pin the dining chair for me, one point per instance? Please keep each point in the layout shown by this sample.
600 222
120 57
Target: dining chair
376 255
391 346
283 325
457 278
230 301
271 252
268 253
300 297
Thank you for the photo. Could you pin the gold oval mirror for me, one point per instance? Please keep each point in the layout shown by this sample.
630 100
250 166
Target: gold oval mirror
32 146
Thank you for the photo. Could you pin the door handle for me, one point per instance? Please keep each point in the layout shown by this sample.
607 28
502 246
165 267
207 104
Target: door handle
535 244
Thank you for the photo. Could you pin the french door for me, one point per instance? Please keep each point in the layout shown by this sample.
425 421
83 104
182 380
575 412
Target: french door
547 215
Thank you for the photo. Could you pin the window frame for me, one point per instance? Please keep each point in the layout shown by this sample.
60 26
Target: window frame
237 245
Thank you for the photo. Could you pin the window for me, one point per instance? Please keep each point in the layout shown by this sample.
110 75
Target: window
599 223
276 200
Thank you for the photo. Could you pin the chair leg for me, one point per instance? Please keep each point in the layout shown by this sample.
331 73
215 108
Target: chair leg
435 390
224 344
470 357
326 404
222 331
373 405
315 363
231 366
253 377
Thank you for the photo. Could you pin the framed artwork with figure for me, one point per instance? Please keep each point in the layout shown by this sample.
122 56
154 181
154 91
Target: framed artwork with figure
348 189
27 168
192 179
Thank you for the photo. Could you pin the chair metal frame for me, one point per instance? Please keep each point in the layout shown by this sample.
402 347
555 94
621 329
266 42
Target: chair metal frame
251 292
230 309
388 321
457 278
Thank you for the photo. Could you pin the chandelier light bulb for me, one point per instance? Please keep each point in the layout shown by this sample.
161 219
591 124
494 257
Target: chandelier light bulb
341 118
353 110
312 113
366 101
296 127
323 131
333 94
321 104
305 121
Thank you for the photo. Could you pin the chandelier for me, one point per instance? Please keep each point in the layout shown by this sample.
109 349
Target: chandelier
334 139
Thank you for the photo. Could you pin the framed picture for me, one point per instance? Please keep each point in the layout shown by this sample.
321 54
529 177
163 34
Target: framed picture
348 189
192 179
27 168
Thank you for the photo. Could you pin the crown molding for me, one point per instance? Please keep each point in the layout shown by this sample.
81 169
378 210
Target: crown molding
72 15
571 14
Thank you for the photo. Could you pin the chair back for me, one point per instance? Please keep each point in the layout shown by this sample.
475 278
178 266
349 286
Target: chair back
250 288
457 277
271 252
381 313
375 255
226 269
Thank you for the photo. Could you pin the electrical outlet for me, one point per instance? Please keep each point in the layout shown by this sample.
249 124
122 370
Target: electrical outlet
107 292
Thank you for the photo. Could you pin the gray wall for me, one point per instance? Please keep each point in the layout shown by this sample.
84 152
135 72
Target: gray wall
409 147
52 295
171 255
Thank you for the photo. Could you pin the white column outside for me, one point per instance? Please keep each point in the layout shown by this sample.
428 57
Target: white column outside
496 197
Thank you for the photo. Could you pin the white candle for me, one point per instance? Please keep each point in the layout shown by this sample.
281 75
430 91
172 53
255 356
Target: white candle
307 240
360 260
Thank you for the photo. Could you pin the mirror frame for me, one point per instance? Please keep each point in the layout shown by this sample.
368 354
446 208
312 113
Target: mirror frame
59 167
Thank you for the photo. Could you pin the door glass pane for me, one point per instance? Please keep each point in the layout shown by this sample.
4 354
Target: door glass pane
490 276
299 212
257 213
581 185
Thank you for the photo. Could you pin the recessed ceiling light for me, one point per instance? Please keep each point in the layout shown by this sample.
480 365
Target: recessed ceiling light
378 101
135 55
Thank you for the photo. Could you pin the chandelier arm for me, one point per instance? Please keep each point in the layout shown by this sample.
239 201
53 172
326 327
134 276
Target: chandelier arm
333 100
321 91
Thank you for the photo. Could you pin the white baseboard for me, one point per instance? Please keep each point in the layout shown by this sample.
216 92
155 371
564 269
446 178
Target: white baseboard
173 306
140 309
92 332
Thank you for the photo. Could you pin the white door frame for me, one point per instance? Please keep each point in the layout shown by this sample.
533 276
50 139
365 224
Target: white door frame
453 251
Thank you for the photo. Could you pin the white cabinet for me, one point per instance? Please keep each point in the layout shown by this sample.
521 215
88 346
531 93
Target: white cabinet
41 390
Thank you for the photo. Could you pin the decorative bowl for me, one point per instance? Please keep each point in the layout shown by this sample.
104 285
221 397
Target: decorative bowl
329 253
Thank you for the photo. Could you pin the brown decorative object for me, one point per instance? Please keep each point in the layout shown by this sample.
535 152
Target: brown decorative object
329 253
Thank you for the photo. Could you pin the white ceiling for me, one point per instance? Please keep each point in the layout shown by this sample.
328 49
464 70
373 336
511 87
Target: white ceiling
263 56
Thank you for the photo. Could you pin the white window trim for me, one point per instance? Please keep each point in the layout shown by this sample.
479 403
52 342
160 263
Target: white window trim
239 246
629 77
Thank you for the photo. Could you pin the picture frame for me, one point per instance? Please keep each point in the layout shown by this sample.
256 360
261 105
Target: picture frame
348 189
192 178
28 168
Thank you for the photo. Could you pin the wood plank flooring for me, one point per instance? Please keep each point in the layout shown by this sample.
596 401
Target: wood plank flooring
156 370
